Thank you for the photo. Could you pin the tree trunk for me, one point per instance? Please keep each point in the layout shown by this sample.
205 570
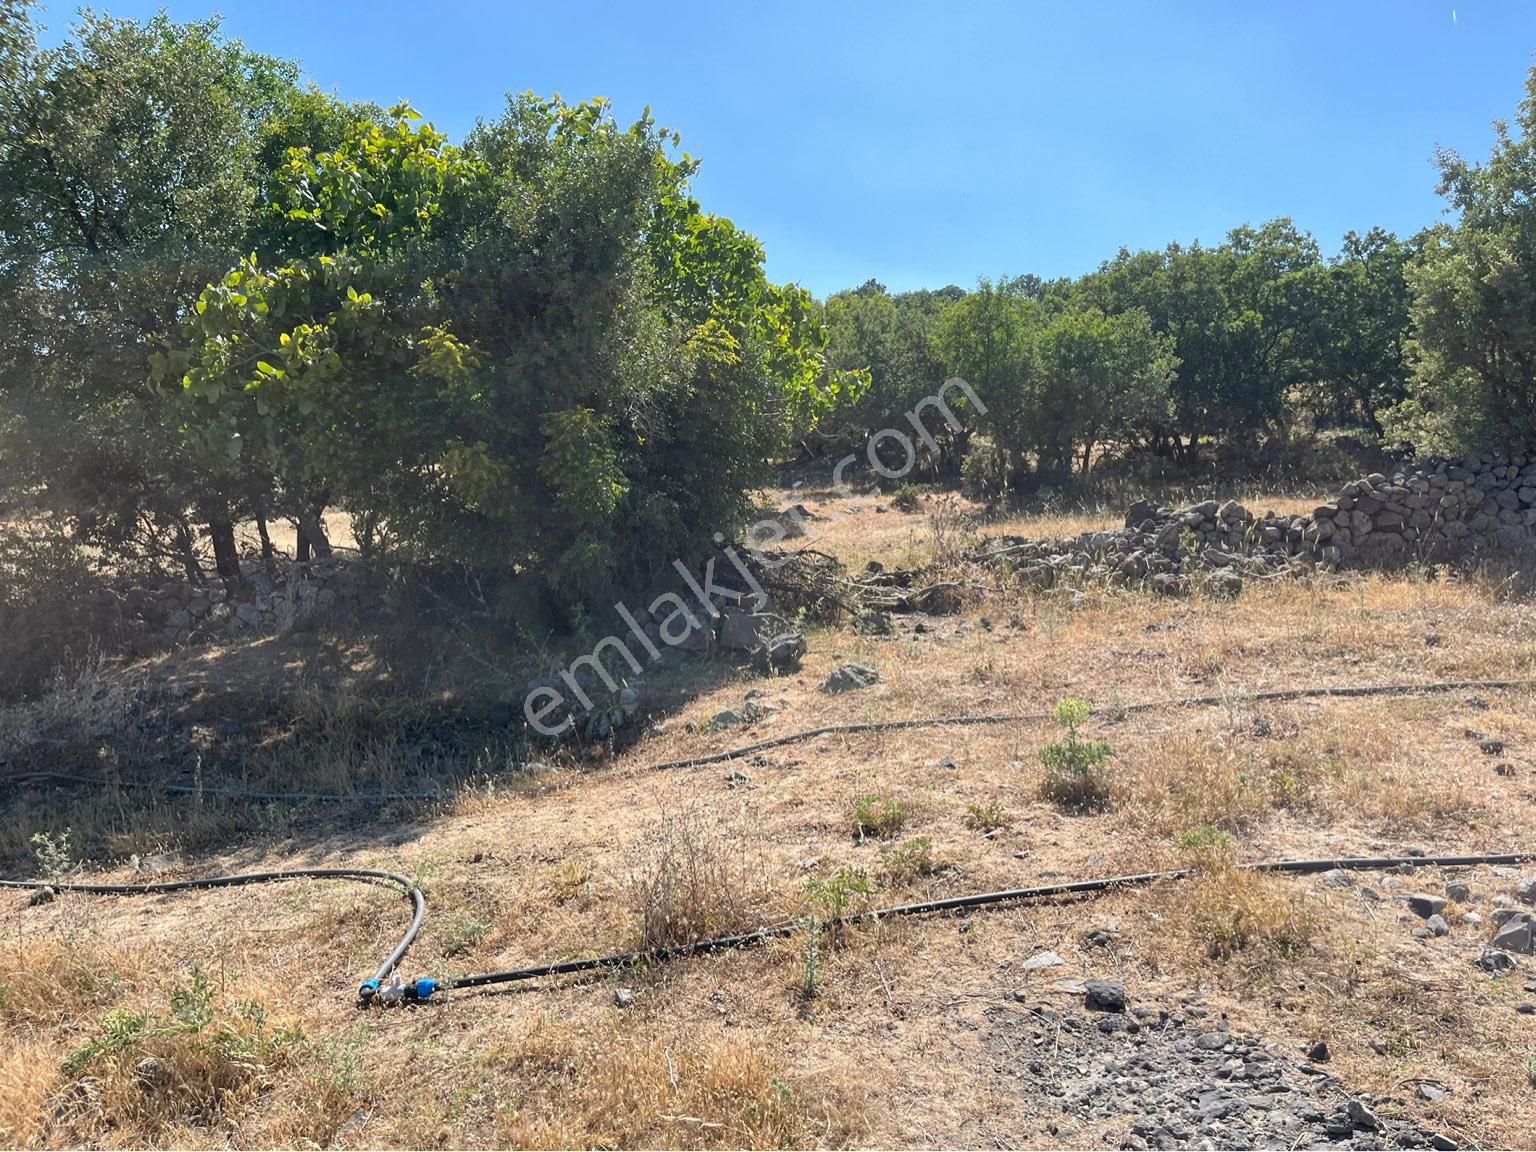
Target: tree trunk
268 553
186 551
312 538
226 556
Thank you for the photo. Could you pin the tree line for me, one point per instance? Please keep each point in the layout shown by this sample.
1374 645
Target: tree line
231 298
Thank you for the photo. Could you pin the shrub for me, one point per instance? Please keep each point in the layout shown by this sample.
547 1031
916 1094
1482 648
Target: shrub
1075 778
878 818
697 885
1231 911
903 863
987 818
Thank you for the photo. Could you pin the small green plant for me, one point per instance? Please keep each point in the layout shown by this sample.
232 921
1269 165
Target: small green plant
903 863
1075 778
831 895
878 818
1529 1068
810 957
907 499
987 818
466 931
1206 846
53 854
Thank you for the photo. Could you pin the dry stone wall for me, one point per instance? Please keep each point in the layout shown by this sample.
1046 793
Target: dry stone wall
1428 513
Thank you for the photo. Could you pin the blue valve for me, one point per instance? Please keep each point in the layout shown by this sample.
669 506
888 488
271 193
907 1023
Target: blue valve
423 989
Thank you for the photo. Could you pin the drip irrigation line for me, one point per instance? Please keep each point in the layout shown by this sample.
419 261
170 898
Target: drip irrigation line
1124 709
1342 691
395 991
236 793
371 875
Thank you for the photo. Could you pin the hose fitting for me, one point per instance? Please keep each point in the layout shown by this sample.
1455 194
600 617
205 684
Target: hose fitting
395 992
367 992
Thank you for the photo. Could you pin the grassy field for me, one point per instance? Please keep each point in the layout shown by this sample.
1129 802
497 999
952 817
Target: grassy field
227 1017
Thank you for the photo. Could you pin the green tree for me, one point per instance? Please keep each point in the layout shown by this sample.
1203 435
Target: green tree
1474 300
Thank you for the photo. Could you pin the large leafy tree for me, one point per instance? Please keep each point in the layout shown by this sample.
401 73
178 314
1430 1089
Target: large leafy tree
1474 300
129 172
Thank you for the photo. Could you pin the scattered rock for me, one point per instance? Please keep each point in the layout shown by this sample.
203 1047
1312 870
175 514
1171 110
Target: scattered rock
1104 995
1042 960
851 678
1494 962
1319 1053
42 895
1504 768
1437 925
624 997
1426 905
1458 892
785 652
1517 935
1491 747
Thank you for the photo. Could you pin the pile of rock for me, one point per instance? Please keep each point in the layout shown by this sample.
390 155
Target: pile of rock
1432 513
292 596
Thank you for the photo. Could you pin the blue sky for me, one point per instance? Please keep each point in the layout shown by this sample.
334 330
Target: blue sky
929 144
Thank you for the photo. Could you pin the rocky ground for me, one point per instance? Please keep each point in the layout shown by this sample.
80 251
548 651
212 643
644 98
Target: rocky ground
1177 1076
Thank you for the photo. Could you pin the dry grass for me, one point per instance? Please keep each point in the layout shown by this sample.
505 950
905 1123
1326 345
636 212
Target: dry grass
726 1050
699 880
613 1089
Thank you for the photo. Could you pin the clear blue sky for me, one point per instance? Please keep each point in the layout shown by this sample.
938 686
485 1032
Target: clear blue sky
928 144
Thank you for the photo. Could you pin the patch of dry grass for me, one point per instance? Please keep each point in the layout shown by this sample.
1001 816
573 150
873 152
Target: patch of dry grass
615 1089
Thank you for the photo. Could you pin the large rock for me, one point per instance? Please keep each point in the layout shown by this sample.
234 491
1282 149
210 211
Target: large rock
850 678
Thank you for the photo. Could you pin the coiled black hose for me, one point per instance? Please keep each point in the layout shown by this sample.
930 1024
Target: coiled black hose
386 969
423 989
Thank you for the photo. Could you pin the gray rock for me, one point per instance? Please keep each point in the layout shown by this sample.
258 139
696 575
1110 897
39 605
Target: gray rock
1425 904
1495 962
1460 893
743 631
1104 995
624 997
41 895
1437 925
785 652
850 678
1517 935
1042 960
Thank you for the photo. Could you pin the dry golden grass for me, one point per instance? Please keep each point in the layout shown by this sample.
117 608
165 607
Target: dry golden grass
726 1050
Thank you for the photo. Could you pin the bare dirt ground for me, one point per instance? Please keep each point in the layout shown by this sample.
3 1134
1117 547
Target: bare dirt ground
228 1018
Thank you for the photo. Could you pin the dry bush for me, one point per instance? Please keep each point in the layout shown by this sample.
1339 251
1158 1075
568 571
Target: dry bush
48 981
697 882
28 1077
1227 912
54 611
197 1066
572 1089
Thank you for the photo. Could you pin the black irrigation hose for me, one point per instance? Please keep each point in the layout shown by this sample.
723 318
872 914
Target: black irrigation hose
425 988
1125 709
237 793
959 903
808 734
391 962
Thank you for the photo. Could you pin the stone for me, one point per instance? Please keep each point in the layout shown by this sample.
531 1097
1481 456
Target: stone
1495 962
785 652
1517 935
1458 892
850 678
1361 1116
1438 925
1104 995
1525 891
1426 905
624 997
1223 585
44 894
1319 1053
1491 747
742 631
1042 960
